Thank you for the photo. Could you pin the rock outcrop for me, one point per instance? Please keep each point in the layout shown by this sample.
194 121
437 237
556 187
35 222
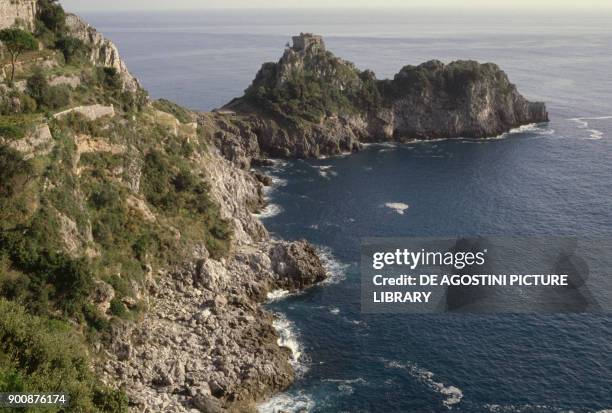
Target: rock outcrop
206 343
103 52
91 112
460 99
311 103
37 141
17 12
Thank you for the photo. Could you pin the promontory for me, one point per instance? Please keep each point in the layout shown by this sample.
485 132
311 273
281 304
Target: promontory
133 267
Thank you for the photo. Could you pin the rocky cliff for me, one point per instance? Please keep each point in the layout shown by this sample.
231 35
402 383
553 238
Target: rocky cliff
17 12
102 52
312 103
130 223
129 236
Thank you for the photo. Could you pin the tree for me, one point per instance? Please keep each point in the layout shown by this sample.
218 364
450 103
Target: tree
72 48
16 42
51 13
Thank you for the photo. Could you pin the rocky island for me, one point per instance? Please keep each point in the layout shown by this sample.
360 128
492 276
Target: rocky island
313 103
131 262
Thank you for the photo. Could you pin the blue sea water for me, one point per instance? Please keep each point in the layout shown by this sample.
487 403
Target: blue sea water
549 179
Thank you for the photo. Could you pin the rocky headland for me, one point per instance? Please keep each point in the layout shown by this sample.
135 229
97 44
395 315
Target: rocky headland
151 207
312 103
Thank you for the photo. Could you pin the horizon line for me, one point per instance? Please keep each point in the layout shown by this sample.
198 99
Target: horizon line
470 9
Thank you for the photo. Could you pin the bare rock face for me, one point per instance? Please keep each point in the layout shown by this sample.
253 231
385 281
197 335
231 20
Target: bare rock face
103 51
461 99
206 344
17 12
297 265
38 141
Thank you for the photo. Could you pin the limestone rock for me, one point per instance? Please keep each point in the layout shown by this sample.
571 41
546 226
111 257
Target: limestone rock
37 142
206 404
91 112
17 12
297 265
72 81
103 51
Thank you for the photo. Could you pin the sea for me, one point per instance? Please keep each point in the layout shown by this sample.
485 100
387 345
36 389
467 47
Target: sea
544 179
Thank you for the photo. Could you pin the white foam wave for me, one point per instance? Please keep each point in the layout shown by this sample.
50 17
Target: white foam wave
278 163
336 270
526 408
595 134
358 380
277 182
287 403
583 123
351 321
325 171
277 295
380 144
288 338
346 387
339 155
398 207
532 128
452 394
334 310
269 211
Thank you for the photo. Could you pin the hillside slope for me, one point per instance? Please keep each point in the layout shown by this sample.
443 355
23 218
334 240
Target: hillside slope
131 262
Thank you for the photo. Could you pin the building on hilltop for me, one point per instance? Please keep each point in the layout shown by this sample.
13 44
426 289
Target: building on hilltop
17 12
306 41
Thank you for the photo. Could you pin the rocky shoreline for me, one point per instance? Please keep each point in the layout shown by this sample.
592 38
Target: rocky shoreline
207 344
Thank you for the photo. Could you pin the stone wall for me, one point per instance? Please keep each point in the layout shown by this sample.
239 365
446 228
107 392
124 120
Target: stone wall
22 12
306 41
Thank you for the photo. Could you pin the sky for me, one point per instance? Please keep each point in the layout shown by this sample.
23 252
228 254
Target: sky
115 5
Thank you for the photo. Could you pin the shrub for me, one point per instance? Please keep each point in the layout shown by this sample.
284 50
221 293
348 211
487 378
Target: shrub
118 309
37 86
43 355
72 48
52 15
49 97
179 112
170 186
109 78
15 172
12 132
108 400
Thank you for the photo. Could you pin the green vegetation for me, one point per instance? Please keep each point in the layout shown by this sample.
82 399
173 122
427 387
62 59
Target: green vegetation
169 185
15 172
73 49
17 41
179 112
16 126
109 203
51 15
47 97
453 79
42 355
323 85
